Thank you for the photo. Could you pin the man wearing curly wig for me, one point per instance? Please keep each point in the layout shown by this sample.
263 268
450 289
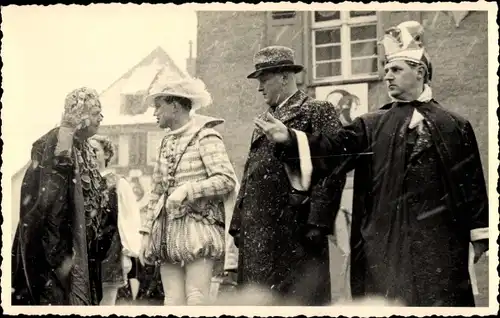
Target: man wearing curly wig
61 207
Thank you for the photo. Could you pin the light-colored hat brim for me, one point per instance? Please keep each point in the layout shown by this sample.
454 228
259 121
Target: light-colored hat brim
195 100
150 99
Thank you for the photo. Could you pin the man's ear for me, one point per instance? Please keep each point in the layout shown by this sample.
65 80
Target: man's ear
421 72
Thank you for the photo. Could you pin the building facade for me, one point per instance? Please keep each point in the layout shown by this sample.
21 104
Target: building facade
343 65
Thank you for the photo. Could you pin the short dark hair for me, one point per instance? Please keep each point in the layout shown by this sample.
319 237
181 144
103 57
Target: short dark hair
415 65
185 102
107 146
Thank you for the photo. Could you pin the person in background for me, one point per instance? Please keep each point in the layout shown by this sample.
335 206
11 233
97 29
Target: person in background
420 195
281 226
62 202
120 239
193 183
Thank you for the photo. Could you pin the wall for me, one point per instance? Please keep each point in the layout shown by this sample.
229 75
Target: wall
224 58
227 41
460 59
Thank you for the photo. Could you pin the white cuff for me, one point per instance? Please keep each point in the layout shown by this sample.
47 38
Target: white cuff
301 180
479 234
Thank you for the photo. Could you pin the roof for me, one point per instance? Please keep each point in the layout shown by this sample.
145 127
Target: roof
137 74
137 81
157 53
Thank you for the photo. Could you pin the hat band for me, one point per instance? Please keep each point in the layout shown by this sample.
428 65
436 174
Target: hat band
259 66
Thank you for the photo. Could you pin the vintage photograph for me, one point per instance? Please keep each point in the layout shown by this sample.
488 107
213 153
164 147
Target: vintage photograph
222 156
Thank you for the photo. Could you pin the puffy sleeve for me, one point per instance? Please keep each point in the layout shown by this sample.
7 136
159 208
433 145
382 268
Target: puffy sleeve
129 219
220 179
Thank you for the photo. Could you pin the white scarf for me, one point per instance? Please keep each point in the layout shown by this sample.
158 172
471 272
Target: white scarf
417 118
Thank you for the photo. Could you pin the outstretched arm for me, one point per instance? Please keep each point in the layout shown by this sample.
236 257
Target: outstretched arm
330 153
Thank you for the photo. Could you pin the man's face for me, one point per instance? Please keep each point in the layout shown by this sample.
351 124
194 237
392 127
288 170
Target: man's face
92 123
402 80
271 86
164 112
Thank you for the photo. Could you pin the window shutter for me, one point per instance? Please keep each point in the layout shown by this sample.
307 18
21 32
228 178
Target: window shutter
286 28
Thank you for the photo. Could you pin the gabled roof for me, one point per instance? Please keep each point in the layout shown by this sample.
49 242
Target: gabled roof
157 53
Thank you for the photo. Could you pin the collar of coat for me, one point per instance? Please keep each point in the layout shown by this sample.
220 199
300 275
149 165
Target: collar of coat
195 124
286 112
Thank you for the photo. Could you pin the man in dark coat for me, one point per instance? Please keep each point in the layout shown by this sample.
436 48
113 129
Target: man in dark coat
419 191
60 204
282 237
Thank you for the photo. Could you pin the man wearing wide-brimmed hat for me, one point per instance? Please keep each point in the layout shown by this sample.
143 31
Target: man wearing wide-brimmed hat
194 186
420 196
282 237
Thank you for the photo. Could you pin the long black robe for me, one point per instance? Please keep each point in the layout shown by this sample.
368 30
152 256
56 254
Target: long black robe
51 227
413 210
273 250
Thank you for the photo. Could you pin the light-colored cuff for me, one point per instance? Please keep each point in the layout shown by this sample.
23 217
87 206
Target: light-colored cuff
301 180
479 234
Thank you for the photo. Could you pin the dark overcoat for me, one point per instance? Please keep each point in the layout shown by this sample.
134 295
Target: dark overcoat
51 227
273 252
417 197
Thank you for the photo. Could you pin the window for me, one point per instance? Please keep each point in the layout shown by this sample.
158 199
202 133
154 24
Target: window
344 45
133 104
278 15
280 18
137 144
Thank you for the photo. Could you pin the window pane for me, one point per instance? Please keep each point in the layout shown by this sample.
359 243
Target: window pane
328 69
320 16
365 66
354 14
327 36
278 15
364 49
328 53
133 104
363 32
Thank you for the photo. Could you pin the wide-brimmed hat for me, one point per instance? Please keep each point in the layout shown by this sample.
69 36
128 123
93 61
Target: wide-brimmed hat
275 59
404 42
191 88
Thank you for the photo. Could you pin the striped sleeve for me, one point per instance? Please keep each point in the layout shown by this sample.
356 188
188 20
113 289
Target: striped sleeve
221 178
